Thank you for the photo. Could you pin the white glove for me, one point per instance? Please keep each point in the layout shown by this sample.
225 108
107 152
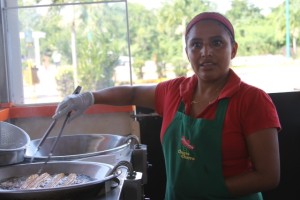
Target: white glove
77 103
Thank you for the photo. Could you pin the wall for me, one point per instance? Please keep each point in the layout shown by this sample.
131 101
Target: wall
35 120
288 108
109 123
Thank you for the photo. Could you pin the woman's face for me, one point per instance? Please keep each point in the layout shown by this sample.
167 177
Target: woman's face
210 50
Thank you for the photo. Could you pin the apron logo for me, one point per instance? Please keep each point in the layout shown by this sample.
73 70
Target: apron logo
184 153
186 143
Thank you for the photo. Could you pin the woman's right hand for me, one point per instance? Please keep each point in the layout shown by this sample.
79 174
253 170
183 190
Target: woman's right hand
74 103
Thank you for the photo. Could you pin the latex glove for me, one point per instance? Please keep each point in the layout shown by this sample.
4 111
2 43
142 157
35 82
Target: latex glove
77 103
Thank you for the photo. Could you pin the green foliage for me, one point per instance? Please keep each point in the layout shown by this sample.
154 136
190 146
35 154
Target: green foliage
180 66
252 31
100 32
100 45
101 35
143 35
278 20
172 19
137 65
255 39
96 65
65 80
259 34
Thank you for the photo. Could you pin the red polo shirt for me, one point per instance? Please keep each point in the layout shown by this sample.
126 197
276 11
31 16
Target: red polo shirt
249 110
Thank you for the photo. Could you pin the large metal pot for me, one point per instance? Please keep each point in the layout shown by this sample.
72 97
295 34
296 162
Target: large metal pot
100 172
75 147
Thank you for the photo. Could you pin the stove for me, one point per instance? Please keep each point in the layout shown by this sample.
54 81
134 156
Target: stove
127 186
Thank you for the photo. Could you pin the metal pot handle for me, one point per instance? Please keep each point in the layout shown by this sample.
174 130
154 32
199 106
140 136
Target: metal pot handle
132 139
123 164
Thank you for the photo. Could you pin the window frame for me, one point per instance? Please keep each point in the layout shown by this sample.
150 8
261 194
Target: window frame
11 78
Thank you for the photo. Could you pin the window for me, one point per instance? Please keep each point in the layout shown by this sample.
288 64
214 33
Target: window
47 49
52 48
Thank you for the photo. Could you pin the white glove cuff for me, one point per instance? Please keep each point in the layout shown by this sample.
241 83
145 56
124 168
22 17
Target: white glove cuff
87 99
92 98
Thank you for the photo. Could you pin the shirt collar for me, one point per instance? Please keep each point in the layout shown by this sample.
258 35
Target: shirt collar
231 87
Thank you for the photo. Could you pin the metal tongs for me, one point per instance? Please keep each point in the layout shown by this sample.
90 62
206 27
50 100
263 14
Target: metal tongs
76 91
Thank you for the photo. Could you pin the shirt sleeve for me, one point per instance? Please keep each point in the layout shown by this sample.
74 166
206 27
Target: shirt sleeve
160 93
259 112
167 95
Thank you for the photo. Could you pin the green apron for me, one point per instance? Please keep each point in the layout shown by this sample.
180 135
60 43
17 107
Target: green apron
192 149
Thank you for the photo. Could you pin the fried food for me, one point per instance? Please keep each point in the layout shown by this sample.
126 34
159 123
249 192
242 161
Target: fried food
71 178
45 180
55 180
38 181
28 181
41 179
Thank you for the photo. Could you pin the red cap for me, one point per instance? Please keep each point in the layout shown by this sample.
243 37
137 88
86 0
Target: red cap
213 16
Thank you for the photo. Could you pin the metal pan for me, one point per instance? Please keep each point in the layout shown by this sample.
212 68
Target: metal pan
74 147
100 172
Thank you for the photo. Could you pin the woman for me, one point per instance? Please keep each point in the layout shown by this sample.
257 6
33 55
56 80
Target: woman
219 134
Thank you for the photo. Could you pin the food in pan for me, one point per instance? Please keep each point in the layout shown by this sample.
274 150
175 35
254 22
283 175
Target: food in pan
56 180
69 179
28 181
45 180
34 181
